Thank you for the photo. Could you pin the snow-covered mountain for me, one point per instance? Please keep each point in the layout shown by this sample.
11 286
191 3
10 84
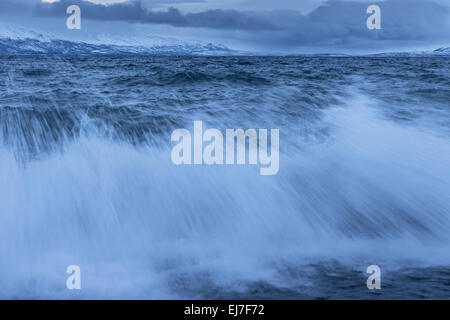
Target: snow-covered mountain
20 41
441 52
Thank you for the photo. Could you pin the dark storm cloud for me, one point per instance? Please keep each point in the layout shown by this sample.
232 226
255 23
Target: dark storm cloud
137 12
334 24
335 21
401 20
344 23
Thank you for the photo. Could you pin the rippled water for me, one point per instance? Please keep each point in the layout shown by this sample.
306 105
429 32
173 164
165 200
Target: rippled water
86 178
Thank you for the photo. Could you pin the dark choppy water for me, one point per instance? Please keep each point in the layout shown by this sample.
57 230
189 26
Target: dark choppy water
86 178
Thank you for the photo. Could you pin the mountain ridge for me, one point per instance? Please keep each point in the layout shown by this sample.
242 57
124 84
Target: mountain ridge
20 41
440 52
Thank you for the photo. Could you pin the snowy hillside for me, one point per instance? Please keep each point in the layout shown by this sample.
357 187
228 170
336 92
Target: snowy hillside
441 52
21 41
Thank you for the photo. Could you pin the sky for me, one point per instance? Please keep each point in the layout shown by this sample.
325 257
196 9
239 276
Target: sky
273 26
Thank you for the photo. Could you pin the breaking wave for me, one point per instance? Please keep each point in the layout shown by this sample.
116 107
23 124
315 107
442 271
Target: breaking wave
97 189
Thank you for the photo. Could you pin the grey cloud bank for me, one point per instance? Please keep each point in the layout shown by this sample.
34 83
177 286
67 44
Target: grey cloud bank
333 26
137 12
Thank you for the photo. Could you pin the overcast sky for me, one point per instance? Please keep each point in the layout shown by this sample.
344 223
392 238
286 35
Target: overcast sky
289 26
